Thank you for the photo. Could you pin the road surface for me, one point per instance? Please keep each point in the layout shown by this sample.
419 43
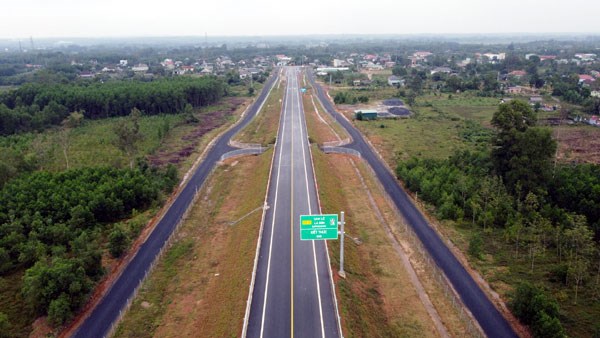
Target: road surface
108 310
488 317
292 294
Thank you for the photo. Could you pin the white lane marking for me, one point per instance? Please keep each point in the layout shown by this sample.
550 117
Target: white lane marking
262 322
304 141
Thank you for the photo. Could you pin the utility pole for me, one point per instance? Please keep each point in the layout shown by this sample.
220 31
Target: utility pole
342 273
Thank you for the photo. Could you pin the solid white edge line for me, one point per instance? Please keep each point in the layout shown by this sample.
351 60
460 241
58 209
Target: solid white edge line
304 142
337 310
282 116
260 232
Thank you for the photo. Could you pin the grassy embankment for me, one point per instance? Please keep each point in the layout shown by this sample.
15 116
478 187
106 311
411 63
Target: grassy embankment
92 144
377 298
200 286
439 128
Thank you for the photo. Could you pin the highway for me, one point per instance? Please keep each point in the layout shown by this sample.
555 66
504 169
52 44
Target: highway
488 317
292 294
107 312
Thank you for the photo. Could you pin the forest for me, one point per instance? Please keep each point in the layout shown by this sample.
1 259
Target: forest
35 106
53 224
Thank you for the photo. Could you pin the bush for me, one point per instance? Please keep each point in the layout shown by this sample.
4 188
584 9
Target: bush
117 242
59 310
531 305
476 246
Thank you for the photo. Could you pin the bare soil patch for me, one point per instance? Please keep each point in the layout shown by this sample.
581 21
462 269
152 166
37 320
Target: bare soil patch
578 143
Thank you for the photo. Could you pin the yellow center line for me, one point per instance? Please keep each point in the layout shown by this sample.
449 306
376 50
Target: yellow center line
292 226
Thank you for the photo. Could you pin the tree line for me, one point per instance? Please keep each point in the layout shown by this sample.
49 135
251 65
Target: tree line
55 226
541 207
38 106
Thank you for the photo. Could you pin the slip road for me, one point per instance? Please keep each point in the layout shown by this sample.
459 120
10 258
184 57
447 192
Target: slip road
292 294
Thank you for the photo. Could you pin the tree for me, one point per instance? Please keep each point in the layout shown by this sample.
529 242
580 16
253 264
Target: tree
129 135
522 154
490 82
188 113
580 240
59 310
399 70
117 242
592 105
72 121
416 84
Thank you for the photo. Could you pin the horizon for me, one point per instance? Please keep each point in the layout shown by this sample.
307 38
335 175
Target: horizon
265 18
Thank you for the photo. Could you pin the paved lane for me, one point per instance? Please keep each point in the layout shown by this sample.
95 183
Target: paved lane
488 317
292 294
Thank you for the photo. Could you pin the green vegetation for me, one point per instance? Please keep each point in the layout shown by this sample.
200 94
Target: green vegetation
52 224
546 215
531 305
38 106
348 98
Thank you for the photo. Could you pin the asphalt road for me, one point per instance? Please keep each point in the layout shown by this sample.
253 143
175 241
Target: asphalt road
292 293
489 318
108 310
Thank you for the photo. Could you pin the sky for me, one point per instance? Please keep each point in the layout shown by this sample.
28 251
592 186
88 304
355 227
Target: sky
128 18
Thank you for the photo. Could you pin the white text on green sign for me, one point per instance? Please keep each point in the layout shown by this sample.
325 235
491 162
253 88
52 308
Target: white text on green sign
318 227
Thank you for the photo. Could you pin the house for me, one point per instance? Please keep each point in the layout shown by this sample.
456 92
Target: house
595 93
187 69
140 67
494 58
521 90
586 79
394 80
517 73
422 55
86 75
123 63
339 63
535 99
547 57
594 121
373 66
445 70
389 64
365 114
585 56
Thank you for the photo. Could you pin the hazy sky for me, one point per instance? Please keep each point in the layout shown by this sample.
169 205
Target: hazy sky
112 18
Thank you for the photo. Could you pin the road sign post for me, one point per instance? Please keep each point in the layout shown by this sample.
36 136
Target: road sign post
342 273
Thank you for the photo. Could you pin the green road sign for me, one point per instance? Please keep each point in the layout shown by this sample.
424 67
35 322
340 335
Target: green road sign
316 227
